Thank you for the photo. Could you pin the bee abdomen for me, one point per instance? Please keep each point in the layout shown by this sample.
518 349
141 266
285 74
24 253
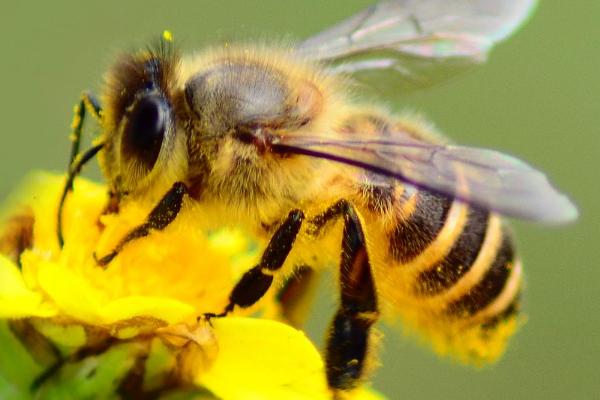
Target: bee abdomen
444 274
509 312
379 198
413 235
465 278
490 287
462 258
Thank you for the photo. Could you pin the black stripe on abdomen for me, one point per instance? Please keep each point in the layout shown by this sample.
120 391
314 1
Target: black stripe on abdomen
459 260
412 236
509 312
490 286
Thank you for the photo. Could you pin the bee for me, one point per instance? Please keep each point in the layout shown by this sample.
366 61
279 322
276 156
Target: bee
271 140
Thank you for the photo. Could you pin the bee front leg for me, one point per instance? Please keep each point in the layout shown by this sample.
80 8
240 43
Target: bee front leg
349 334
255 282
159 218
87 103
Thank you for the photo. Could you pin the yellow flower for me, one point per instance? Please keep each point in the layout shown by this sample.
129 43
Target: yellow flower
137 318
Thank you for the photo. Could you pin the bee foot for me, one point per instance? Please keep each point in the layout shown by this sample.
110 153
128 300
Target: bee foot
208 316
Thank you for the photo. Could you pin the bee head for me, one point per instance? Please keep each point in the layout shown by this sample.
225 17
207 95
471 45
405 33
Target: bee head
139 119
210 122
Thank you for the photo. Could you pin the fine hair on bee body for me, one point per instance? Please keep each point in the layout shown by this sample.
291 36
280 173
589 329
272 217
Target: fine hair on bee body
271 140
301 97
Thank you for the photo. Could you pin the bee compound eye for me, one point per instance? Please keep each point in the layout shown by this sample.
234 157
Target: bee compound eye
144 130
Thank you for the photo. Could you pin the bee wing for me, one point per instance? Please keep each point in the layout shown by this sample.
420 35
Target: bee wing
419 41
480 177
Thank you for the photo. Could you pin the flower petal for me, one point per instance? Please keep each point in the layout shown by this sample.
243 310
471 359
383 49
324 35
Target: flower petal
162 308
16 300
63 285
262 359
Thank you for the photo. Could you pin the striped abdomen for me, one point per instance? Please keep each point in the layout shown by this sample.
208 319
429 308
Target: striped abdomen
450 269
456 274
461 256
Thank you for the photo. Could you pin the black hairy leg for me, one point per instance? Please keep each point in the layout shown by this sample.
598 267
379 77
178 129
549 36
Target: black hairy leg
87 104
159 218
350 330
253 285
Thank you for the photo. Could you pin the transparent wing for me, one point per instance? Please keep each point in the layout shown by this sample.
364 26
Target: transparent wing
483 178
419 41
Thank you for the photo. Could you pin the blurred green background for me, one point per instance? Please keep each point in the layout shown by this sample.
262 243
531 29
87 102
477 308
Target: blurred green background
538 97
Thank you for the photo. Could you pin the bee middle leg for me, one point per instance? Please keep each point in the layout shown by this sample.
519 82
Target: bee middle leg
349 334
348 341
159 218
256 282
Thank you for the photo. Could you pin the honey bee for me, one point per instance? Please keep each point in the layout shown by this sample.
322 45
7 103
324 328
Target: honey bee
271 140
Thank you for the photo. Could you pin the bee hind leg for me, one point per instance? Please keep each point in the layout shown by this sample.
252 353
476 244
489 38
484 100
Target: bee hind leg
159 218
349 333
256 282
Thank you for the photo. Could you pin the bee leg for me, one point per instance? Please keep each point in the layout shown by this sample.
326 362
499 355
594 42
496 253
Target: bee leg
87 103
73 172
159 218
349 334
256 281
296 296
